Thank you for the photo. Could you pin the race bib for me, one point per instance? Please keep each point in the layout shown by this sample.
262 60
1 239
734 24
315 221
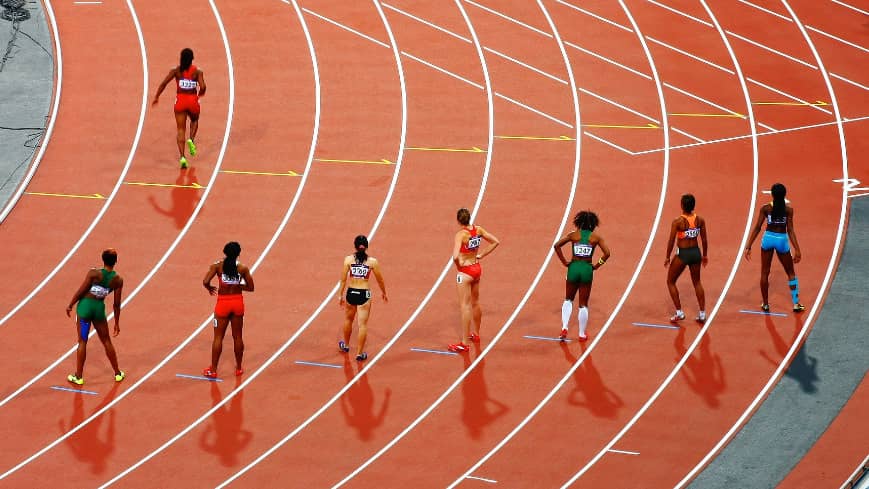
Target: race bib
582 250
99 291
185 84
692 232
474 242
359 271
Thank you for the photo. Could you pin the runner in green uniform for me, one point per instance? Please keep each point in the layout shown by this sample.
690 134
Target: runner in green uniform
98 283
580 270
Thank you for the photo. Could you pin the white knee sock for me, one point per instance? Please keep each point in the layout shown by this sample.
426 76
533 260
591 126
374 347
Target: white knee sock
583 320
566 309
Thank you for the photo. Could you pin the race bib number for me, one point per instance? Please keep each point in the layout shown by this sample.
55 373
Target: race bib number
692 232
359 271
99 291
582 250
474 242
185 84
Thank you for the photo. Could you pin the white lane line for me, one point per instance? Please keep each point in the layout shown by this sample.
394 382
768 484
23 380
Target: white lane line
449 266
99 216
843 41
763 9
490 481
342 26
158 266
771 50
609 143
842 78
623 452
679 12
538 112
52 118
623 107
787 95
438 68
695 138
608 60
850 7
798 341
705 101
525 65
640 264
507 17
430 24
692 56
541 271
734 268
746 136
598 17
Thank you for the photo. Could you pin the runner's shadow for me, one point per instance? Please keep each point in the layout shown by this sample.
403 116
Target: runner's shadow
357 404
224 437
703 371
595 396
184 199
476 401
86 444
803 368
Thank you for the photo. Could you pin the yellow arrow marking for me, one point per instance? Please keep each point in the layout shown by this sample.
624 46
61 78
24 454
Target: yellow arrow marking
798 104
72 196
239 172
381 162
144 184
454 150
647 126
538 138
733 114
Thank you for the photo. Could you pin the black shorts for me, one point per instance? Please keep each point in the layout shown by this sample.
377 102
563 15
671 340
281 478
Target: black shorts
689 256
357 297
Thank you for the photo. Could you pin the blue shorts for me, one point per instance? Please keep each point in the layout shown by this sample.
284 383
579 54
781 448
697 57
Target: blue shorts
775 241
84 328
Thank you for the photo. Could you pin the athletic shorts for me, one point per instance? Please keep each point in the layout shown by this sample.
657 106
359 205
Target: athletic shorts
580 272
229 305
475 271
357 297
775 241
187 102
689 256
90 309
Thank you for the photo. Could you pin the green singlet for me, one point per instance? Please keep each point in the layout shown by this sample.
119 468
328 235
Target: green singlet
89 308
580 271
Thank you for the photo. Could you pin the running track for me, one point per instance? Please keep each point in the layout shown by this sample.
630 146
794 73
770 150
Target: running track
383 118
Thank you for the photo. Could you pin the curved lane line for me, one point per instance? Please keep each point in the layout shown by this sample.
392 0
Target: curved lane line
665 125
373 361
737 260
58 56
118 184
544 266
830 268
329 296
160 263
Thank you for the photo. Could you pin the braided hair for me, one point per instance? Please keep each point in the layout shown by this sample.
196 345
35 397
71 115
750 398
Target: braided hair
586 220
361 244
779 207
230 265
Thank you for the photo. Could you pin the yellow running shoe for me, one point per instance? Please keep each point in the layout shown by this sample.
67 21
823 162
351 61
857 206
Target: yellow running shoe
75 380
191 147
121 376
183 162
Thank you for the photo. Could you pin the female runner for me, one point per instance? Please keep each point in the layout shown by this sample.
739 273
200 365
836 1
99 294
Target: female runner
684 232
187 79
359 267
91 309
580 270
779 217
232 279
466 256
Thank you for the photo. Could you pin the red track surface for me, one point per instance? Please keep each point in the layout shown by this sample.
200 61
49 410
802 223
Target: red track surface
524 190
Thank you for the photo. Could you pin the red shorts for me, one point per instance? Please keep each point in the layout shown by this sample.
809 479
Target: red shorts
229 305
187 102
473 270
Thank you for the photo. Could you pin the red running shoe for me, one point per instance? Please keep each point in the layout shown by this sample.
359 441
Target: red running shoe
475 337
563 335
239 372
208 372
458 348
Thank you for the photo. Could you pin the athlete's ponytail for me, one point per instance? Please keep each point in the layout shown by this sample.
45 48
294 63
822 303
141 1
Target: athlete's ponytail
779 207
361 244
230 265
186 59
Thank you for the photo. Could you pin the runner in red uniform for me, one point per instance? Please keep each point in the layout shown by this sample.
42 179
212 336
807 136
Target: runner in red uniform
232 279
466 256
190 85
